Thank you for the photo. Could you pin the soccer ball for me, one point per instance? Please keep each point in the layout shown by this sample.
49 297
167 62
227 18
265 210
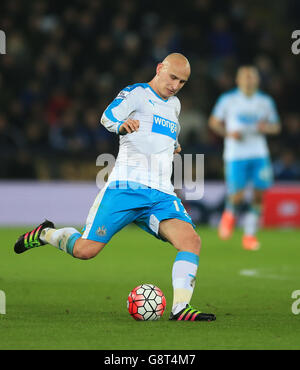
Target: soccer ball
146 302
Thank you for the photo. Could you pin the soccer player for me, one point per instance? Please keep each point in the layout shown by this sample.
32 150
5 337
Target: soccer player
139 189
243 116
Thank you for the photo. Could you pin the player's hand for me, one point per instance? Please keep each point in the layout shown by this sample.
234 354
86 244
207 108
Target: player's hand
178 149
262 126
129 126
237 135
267 128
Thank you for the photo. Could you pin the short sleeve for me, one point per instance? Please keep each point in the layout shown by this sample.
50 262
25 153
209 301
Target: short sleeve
272 114
120 109
219 110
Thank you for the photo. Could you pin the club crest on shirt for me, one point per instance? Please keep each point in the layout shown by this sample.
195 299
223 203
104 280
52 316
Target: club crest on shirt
101 231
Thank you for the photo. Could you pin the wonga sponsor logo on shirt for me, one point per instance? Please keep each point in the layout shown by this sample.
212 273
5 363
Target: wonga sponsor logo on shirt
247 118
164 126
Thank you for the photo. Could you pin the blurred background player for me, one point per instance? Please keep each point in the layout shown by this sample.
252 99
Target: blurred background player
145 115
243 116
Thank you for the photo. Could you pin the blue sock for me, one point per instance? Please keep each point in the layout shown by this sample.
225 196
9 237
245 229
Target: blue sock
71 242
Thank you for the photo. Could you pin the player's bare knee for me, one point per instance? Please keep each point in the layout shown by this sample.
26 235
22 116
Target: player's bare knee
237 198
196 243
258 197
192 243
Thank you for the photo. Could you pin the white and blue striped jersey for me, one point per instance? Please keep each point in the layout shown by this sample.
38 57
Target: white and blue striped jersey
242 113
145 156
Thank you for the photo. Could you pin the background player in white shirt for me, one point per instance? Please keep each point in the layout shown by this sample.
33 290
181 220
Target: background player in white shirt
243 116
139 189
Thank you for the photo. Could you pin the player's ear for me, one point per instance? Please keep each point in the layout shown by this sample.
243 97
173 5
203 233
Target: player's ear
158 68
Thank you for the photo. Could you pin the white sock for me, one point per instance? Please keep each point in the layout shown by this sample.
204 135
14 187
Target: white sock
183 278
63 239
251 221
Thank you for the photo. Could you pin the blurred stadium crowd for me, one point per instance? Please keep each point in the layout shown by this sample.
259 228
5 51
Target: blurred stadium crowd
67 60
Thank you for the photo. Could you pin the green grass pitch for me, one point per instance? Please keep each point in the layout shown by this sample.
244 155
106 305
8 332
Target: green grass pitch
54 301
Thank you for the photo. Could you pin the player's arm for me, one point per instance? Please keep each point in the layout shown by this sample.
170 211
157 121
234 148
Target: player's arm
216 121
177 149
177 146
271 124
268 128
116 117
129 126
218 127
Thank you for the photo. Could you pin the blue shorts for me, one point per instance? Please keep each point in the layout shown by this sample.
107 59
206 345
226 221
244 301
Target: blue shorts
121 203
239 173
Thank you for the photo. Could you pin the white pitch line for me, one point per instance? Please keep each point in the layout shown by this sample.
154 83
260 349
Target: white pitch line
263 275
